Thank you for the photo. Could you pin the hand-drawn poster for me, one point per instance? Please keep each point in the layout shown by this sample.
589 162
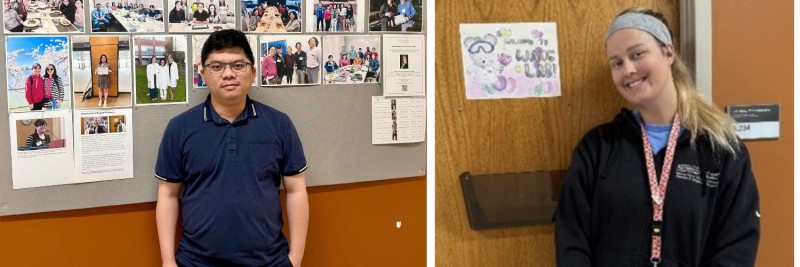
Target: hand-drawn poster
510 60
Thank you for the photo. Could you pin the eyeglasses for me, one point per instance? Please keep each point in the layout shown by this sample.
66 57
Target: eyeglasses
50 69
237 67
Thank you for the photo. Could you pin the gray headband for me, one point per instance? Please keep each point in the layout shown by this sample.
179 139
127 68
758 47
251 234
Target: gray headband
642 22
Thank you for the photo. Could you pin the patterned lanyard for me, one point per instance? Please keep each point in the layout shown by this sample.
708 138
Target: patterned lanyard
658 188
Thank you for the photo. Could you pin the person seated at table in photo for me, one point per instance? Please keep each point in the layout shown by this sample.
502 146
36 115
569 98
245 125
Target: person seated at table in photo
120 6
374 66
294 24
113 6
79 18
387 15
358 60
213 15
68 10
269 69
98 16
345 61
330 65
39 138
141 10
367 58
368 54
153 13
375 53
22 7
201 15
107 9
11 19
176 15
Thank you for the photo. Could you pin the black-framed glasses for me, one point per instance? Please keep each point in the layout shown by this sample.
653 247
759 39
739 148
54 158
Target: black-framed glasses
237 67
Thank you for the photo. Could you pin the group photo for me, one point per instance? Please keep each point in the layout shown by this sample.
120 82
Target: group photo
395 15
271 15
200 16
335 16
55 16
290 59
160 74
351 59
124 16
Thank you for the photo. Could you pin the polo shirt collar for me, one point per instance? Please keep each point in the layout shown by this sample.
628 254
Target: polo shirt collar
209 114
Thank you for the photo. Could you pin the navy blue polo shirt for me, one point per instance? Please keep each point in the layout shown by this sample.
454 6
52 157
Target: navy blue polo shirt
231 173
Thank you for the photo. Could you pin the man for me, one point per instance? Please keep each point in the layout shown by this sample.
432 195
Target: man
314 60
173 75
353 53
34 89
153 13
406 10
330 65
320 14
231 203
403 62
300 62
280 65
98 16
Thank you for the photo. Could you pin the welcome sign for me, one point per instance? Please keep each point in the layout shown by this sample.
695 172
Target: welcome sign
510 60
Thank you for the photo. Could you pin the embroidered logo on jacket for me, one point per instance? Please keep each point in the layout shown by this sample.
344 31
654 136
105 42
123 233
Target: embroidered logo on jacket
691 173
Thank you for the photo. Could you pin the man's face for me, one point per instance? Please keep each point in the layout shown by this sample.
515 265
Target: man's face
152 8
97 6
228 85
107 5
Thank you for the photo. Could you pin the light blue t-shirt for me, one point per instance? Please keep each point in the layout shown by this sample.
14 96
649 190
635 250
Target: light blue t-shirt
657 133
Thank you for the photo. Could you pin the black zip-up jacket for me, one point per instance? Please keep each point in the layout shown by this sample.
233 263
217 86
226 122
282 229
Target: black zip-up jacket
604 216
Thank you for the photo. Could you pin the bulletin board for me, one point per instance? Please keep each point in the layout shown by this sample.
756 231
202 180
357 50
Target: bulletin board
333 121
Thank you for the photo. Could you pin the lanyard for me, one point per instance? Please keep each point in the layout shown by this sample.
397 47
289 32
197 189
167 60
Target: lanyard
658 188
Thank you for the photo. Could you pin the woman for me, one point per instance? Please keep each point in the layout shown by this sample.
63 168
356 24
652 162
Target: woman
79 18
344 62
327 17
386 14
68 10
53 87
174 75
294 23
615 211
11 19
358 61
213 15
113 6
39 137
177 15
268 67
103 82
162 78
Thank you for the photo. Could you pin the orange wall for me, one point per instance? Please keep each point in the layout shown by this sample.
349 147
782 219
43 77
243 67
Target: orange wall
752 64
350 225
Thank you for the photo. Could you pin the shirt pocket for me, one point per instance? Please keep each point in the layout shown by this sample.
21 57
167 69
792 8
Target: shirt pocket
265 155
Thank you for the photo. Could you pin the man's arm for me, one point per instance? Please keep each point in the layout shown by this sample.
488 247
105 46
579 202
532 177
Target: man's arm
297 212
167 219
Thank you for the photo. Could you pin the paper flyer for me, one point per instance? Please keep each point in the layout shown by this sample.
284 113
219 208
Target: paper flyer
510 60
398 120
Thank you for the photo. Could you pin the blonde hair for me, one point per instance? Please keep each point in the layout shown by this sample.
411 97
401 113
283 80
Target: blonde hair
698 115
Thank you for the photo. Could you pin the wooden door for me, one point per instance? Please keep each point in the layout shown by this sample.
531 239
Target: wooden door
108 46
519 135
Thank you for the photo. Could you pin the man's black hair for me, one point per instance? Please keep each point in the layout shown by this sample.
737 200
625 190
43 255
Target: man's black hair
224 39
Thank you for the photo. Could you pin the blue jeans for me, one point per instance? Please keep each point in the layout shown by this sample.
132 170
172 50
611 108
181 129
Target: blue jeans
54 104
96 22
